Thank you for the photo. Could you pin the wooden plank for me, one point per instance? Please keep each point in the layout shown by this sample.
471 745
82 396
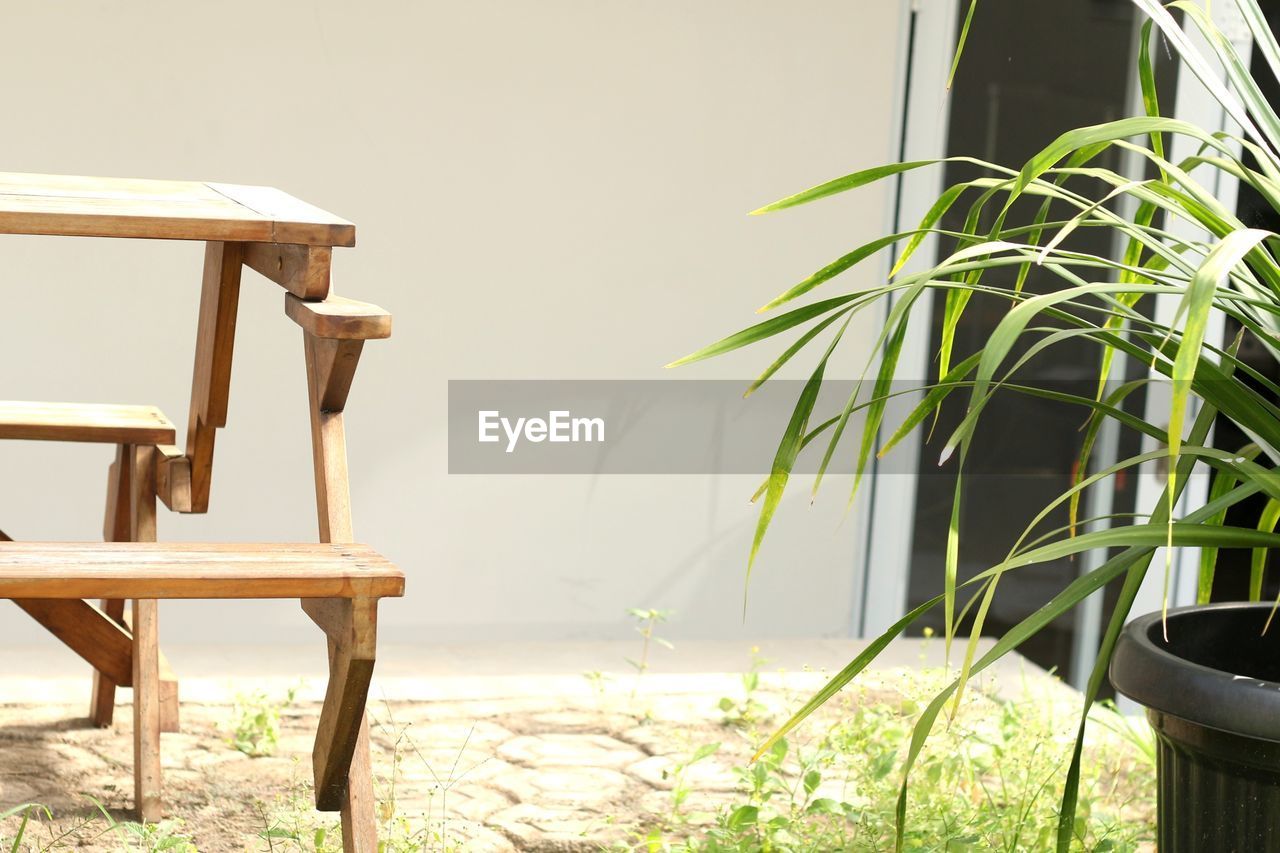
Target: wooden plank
169 710
85 630
142 488
102 704
117 527
359 826
143 529
211 376
88 632
84 206
302 270
328 447
194 570
173 477
146 650
294 220
22 216
147 784
88 422
82 186
333 505
351 668
337 317
215 332
335 365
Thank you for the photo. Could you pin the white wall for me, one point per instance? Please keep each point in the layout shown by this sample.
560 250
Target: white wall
542 190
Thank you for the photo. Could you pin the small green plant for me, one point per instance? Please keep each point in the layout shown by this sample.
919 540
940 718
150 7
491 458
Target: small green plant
646 620
13 845
39 831
291 823
1134 732
680 786
404 833
153 837
599 682
747 710
166 835
985 783
257 729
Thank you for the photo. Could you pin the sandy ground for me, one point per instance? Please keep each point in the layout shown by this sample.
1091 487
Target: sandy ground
540 762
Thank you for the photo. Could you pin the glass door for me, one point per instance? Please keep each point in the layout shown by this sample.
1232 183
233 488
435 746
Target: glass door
1022 81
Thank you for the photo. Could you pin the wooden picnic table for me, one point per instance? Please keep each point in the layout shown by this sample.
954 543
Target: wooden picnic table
338 582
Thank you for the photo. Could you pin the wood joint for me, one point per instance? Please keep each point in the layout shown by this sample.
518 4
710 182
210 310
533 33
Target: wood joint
173 477
301 270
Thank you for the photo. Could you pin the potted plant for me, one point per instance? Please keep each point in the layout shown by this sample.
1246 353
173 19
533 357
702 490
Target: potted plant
1201 671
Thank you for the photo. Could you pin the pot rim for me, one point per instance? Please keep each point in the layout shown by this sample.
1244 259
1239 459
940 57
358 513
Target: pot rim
1156 678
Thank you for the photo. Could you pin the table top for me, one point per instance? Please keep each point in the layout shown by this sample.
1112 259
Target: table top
74 206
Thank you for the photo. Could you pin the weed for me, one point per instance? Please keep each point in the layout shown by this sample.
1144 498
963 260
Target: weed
599 682
680 787
292 824
257 727
988 782
747 710
646 620
13 845
166 835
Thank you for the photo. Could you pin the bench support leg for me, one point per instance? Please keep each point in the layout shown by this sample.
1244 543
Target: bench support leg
343 773
118 526
146 650
147 783
351 657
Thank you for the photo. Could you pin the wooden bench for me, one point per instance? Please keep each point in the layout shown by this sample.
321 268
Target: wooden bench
338 583
194 570
342 582
84 422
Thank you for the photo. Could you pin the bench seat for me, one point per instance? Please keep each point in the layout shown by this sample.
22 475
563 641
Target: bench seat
93 422
150 570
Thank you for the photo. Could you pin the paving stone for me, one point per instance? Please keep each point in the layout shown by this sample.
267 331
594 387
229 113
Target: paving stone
539 828
569 750
653 739
598 788
478 803
470 835
575 721
536 773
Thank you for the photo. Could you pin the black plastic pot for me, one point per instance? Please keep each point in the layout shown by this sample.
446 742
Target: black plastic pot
1212 692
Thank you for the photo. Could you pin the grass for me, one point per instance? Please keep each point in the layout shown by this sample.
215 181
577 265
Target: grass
40 831
291 823
987 782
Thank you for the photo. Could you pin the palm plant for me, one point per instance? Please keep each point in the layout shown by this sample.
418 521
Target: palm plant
1230 269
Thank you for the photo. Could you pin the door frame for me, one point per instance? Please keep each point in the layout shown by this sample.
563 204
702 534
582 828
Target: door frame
927 34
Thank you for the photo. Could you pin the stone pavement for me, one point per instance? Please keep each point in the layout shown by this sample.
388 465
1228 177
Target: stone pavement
544 761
